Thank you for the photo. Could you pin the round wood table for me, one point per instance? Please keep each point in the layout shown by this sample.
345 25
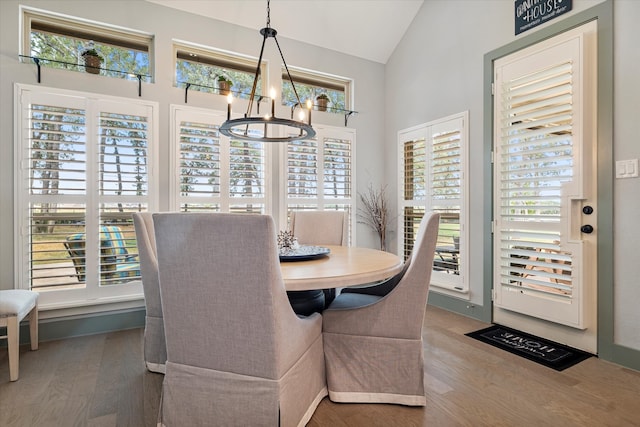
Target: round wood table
344 266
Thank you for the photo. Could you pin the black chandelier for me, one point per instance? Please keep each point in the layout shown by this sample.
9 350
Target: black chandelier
245 128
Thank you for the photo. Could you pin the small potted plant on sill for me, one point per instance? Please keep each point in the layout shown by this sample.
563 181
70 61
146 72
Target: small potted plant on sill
92 61
224 85
322 101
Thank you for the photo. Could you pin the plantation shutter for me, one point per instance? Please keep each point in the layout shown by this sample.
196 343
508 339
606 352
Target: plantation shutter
536 158
213 172
84 168
432 166
123 183
199 169
302 169
55 153
319 172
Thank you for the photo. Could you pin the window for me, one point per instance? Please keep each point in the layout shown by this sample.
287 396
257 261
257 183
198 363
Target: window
204 68
319 172
213 172
433 167
59 42
310 85
86 168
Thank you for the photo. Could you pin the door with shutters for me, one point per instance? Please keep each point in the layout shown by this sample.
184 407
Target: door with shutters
544 189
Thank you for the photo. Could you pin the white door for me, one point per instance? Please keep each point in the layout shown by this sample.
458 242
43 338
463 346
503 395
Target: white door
544 189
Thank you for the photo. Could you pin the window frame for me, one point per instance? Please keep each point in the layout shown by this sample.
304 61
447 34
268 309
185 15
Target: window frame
225 201
324 82
97 31
92 293
220 58
321 202
453 284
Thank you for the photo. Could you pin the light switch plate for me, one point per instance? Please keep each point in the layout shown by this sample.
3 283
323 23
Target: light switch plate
627 168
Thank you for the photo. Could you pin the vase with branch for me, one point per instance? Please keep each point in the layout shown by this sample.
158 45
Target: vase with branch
375 212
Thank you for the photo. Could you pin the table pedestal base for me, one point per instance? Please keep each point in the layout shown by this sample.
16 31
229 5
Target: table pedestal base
305 303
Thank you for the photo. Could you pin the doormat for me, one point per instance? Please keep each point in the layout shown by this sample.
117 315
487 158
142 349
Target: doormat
548 353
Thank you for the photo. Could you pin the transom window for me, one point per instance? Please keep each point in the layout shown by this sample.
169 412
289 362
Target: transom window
63 42
310 86
207 70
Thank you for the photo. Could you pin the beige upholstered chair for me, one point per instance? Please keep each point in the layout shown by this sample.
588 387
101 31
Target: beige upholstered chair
237 355
373 340
15 305
318 228
155 350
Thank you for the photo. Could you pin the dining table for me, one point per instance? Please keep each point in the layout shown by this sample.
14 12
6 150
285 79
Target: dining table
343 266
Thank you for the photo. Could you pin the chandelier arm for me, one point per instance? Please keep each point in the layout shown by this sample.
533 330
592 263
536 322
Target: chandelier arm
287 69
258 72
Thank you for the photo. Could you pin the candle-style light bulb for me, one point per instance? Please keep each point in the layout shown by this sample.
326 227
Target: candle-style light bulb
301 115
229 101
309 105
273 102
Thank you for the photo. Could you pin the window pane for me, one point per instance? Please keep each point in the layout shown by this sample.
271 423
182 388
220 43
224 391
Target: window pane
57 261
63 51
123 154
308 91
337 168
204 78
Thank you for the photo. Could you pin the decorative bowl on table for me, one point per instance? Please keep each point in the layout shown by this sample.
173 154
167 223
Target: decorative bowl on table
303 253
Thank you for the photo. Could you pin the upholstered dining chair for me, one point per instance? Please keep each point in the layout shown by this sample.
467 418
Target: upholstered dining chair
154 350
373 336
237 354
318 228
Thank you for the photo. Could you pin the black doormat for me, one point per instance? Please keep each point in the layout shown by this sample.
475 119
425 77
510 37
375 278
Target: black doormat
540 350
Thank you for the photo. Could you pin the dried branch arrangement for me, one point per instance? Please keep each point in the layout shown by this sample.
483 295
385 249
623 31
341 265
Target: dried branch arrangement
375 213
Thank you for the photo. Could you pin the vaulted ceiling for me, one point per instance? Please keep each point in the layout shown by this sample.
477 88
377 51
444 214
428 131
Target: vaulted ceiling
369 29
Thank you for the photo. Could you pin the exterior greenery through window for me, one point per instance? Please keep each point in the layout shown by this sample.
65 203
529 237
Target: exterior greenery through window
60 43
204 74
307 91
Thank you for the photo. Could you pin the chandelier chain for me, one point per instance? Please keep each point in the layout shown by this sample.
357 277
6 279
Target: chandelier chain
268 14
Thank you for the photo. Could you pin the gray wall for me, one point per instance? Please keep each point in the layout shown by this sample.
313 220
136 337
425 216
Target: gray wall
437 70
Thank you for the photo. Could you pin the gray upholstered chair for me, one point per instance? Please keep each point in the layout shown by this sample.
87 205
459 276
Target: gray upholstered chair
320 227
155 350
317 228
237 354
373 340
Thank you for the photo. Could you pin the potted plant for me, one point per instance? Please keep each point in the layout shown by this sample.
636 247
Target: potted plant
224 85
92 61
322 101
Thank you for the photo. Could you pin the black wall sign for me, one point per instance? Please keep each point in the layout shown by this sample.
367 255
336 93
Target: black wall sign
531 13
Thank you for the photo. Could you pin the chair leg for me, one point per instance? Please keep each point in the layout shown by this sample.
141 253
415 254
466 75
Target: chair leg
13 344
33 327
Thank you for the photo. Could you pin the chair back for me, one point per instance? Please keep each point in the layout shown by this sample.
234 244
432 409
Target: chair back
409 296
155 351
224 302
321 227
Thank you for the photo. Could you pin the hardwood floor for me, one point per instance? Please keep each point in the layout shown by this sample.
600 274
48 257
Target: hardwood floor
100 380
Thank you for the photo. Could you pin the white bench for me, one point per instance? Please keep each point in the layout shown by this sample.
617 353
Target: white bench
15 305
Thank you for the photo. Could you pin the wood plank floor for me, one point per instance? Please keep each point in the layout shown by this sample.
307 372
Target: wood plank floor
100 380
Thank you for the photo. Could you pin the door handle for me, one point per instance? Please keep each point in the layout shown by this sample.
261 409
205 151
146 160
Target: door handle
586 229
